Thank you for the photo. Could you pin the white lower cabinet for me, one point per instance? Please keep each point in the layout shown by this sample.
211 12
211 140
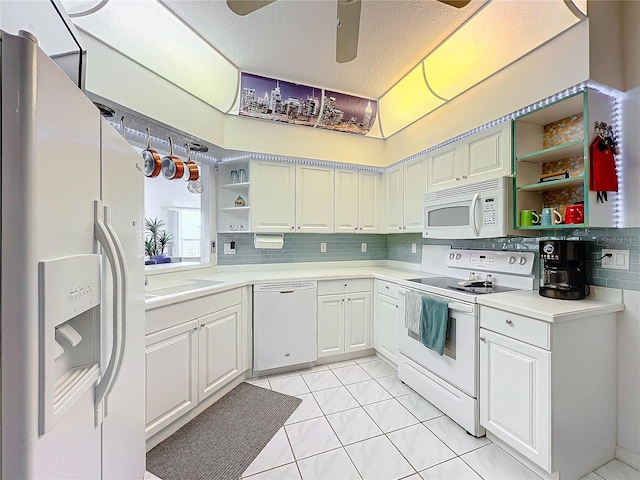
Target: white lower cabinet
188 362
385 328
171 358
548 389
344 320
220 350
515 394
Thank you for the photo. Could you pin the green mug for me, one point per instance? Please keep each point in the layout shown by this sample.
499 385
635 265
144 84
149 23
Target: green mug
529 218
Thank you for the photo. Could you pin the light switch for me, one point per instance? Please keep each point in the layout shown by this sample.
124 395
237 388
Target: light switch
414 248
323 248
363 247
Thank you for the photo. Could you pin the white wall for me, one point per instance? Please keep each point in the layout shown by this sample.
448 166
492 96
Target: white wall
629 380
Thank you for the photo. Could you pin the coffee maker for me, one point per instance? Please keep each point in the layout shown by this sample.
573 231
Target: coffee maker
563 273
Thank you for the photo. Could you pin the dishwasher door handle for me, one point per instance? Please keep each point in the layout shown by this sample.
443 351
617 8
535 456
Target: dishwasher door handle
287 291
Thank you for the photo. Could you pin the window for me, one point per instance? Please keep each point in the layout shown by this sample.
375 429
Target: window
184 216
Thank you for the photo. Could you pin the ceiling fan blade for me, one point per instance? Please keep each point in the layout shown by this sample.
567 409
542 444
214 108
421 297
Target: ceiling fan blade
456 3
245 7
348 30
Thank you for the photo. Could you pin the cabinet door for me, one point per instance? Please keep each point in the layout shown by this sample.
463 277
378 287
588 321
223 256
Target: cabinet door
487 154
357 322
369 202
346 201
415 186
385 331
314 199
171 363
330 325
515 395
273 196
220 343
444 167
393 200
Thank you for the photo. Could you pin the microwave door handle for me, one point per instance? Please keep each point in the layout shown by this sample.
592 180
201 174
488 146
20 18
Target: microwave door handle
474 204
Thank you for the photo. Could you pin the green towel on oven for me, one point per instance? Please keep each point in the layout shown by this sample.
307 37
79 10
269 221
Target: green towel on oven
433 323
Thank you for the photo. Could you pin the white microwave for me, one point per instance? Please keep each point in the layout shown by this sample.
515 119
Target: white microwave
477 210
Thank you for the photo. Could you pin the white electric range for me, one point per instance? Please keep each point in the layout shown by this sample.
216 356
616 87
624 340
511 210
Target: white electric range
450 381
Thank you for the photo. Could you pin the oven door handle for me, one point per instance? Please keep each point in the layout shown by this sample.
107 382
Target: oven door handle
474 204
461 307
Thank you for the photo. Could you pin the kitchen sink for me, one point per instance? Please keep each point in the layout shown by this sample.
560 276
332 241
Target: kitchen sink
188 286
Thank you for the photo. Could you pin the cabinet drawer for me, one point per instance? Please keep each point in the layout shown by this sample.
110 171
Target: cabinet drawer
333 287
180 312
387 288
525 329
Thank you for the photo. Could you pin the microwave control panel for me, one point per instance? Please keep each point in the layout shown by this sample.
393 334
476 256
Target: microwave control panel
489 214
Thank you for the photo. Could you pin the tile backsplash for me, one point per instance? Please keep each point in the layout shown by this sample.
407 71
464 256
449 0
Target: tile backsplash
305 247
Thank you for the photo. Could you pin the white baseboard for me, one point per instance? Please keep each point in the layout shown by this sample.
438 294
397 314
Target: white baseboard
628 457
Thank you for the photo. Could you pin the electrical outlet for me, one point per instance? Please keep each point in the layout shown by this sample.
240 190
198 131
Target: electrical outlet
363 247
213 247
228 250
619 259
323 248
414 248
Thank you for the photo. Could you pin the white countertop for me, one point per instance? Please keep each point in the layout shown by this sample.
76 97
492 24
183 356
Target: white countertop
531 304
235 277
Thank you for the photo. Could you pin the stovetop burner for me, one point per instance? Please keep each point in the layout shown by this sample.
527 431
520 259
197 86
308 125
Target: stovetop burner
452 284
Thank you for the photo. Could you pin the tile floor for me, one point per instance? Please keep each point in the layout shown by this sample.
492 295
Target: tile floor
358 421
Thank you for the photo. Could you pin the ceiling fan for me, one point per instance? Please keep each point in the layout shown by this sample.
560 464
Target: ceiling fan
348 22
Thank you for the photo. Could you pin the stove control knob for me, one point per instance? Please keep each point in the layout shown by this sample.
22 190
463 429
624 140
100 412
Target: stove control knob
451 256
522 261
458 256
512 260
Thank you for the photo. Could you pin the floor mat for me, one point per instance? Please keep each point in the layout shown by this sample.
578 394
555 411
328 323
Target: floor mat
221 442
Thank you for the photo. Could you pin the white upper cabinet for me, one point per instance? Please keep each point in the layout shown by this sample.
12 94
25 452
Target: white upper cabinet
404 189
357 203
415 186
273 187
482 156
368 202
393 200
347 200
487 154
444 167
314 199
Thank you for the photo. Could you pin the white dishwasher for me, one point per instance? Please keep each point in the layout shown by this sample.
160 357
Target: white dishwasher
284 324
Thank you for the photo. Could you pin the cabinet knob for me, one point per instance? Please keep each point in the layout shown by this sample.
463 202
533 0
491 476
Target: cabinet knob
387 287
348 299
457 179
293 228
356 229
360 228
464 176
342 300
202 326
195 329
483 339
399 228
509 322
404 228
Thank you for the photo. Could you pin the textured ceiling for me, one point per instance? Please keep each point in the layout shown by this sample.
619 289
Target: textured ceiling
295 39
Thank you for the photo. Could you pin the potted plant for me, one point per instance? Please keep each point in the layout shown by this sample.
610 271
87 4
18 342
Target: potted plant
156 240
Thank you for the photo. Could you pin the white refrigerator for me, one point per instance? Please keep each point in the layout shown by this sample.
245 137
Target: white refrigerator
72 280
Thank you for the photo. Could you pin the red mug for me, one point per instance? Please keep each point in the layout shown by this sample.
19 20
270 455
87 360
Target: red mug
574 213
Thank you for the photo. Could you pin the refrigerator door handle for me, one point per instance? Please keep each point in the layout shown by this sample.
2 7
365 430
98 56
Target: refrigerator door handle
105 241
124 275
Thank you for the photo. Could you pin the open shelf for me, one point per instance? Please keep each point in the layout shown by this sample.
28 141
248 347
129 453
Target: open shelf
557 226
553 185
234 209
236 186
567 150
